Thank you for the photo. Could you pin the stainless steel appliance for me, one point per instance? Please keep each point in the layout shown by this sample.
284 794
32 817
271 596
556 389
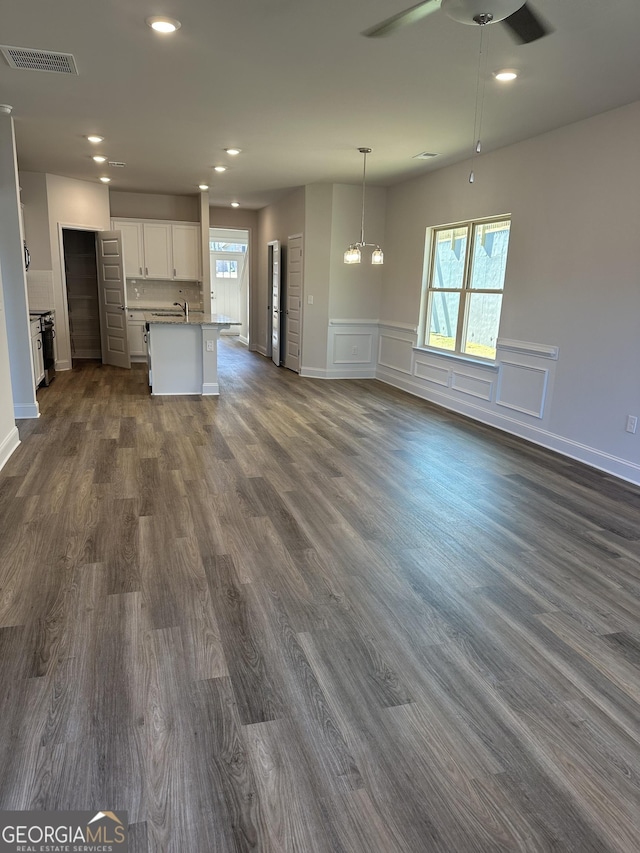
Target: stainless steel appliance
48 330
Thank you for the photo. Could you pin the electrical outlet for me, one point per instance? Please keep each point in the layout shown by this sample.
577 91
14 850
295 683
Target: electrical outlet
354 350
632 423
211 346
309 300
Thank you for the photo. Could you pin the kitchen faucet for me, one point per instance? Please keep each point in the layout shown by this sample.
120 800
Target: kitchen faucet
184 307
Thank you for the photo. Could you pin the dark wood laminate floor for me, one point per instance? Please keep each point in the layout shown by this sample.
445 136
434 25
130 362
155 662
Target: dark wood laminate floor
315 616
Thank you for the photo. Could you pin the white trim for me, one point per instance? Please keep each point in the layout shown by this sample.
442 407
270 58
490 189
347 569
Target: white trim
10 443
295 236
599 459
260 348
353 322
527 348
456 356
23 411
210 389
436 369
342 373
404 327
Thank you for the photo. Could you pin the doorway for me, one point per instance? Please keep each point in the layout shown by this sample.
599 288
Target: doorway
230 285
81 273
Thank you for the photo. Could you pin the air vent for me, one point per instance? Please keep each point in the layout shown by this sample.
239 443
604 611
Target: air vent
117 163
426 155
39 60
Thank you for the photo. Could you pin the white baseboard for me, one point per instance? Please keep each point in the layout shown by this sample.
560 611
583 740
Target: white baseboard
621 468
210 389
8 445
262 350
26 411
339 373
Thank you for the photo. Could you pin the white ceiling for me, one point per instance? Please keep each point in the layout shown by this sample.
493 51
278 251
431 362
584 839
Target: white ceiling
295 85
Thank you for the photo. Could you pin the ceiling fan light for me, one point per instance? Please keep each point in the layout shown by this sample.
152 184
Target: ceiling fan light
377 256
505 75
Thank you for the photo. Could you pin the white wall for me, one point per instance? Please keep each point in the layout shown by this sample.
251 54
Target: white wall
14 277
9 439
79 204
275 222
572 283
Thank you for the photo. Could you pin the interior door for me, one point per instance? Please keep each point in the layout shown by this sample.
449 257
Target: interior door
293 329
275 300
112 298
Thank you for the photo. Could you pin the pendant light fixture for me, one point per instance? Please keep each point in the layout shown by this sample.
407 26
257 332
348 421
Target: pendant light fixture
481 78
353 255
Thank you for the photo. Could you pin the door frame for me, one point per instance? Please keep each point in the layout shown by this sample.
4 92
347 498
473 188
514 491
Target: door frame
63 278
300 236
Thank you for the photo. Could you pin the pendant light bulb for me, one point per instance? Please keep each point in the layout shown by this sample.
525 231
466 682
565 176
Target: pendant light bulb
472 177
478 147
377 257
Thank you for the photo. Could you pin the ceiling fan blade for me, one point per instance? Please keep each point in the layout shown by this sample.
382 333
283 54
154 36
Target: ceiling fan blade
403 19
526 26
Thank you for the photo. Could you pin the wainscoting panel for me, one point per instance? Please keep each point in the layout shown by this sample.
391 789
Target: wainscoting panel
432 373
475 386
352 347
395 349
522 387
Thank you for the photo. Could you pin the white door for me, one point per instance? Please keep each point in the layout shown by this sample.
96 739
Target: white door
112 297
293 323
274 267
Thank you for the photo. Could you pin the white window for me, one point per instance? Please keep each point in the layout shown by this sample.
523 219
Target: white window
226 269
466 266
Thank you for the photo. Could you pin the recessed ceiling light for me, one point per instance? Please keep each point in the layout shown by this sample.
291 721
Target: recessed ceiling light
99 158
233 151
505 75
235 204
164 25
105 180
203 186
95 139
219 168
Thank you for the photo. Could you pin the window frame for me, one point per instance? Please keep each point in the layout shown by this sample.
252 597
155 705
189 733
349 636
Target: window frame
465 291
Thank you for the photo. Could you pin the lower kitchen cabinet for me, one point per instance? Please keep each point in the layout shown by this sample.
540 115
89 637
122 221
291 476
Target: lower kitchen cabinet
137 335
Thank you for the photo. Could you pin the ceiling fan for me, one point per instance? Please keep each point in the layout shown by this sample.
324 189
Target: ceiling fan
523 23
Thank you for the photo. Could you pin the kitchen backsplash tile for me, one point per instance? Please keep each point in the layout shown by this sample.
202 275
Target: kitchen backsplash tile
162 294
40 290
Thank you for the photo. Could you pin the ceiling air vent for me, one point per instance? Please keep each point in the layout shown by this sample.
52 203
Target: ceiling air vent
425 155
117 163
39 60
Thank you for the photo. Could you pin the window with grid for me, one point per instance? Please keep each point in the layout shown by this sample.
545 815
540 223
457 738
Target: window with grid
465 283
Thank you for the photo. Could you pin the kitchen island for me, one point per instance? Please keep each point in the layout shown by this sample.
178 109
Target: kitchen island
183 352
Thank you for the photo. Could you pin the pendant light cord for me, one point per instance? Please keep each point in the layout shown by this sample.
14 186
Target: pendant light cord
364 176
481 82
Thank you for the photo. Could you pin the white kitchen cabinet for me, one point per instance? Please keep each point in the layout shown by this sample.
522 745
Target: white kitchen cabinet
185 241
158 255
137 335
165 251
38 355
132 246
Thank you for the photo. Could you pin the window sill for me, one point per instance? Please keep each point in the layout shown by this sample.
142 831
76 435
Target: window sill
464 359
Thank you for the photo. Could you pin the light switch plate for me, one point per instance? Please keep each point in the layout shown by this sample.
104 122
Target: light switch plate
211 346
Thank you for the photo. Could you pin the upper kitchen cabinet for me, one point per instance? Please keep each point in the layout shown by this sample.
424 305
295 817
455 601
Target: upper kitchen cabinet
186 251
160 250
132 247
158 257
